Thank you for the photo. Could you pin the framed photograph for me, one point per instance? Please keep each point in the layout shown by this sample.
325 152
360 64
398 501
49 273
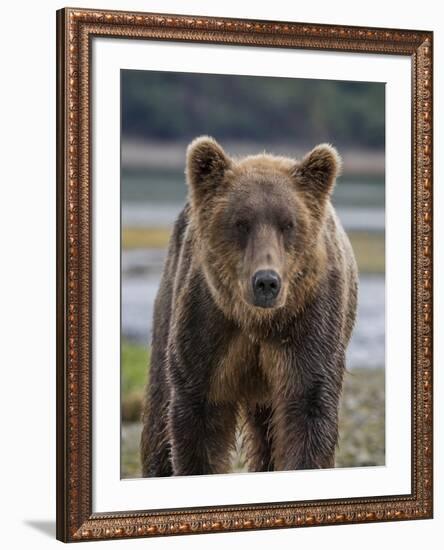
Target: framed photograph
244 274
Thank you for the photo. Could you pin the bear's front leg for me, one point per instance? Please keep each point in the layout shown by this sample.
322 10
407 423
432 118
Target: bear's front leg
201 431
305 419
258 438
201 434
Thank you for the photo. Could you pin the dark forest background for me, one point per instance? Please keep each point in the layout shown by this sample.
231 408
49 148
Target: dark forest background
179 106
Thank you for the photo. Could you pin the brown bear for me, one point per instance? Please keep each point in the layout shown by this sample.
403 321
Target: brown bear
252 319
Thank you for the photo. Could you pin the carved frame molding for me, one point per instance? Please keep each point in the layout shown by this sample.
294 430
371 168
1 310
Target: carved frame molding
75 30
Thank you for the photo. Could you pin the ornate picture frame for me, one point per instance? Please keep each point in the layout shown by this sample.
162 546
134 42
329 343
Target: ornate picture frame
76 29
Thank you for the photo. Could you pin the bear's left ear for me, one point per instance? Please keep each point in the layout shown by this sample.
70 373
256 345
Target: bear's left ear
318 170
206 165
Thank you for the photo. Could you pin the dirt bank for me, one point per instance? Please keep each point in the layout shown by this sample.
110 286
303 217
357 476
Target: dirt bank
156 155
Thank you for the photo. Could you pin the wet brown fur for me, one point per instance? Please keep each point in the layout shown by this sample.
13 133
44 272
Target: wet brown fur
216 358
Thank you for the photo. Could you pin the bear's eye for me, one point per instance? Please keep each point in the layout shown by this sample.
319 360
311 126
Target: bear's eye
288 225
243 226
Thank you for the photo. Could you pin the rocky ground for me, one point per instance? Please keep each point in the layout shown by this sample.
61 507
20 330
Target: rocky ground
362 427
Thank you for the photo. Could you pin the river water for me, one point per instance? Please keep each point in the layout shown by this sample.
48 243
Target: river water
141 270
360 207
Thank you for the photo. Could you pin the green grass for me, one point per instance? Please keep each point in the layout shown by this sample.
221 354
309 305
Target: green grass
145 237
135 359
135 365
369 249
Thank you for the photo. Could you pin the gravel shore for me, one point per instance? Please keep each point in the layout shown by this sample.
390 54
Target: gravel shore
362 427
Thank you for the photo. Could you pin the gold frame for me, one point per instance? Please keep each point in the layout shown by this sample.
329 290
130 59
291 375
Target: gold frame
75 30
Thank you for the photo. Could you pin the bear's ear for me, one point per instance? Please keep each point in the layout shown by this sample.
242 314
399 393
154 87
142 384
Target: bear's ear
206 165
318 170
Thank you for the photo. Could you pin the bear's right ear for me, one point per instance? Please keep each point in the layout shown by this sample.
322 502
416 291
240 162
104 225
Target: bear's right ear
206 165
318 170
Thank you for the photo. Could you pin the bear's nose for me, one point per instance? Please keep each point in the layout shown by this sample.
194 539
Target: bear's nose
266 286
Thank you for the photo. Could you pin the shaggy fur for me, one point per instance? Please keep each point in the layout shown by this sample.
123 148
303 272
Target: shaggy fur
216 357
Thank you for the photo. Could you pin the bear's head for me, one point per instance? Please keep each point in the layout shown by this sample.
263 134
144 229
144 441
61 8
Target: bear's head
258 222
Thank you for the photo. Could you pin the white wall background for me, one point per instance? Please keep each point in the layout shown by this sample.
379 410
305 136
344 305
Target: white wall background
27 273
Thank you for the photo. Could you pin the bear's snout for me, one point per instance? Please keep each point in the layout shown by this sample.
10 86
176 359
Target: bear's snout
266 287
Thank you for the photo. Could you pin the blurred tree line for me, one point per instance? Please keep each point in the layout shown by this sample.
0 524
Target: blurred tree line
178 106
